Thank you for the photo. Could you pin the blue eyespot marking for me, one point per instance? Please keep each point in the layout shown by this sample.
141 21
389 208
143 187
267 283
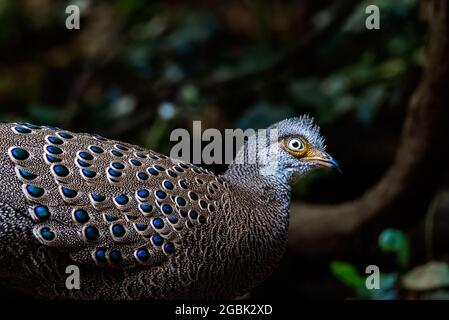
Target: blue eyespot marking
115 256
142 176
157 240
65 135
166 208
35 191
96 149
168 185
61 171
81 216
53 150
52 159
181 201
55 140
183 184
193 196
27 175
183 165
144 193
172 173
153 171
141 226
118 166
89 173
142 254
158 223
91 233
42 212
193 214
98 197
121 147
117 153
110 218
100 255
118 230
158 167
114 173
47 234
122 199
135 162
173 220
147 208
83 163
86 156
178 168
22 130
69 193
140 155
161 194
20 154
169 248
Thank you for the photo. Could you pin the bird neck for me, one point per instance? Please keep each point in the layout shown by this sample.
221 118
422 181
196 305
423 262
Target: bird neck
254 175
267 198
260 222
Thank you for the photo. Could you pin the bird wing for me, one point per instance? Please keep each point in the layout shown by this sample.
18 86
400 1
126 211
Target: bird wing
105 201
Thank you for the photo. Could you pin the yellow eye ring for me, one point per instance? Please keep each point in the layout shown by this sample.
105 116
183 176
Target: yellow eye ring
295 146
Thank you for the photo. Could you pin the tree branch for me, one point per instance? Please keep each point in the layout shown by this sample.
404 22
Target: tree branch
408 185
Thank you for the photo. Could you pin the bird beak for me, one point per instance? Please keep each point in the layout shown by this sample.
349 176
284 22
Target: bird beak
323 159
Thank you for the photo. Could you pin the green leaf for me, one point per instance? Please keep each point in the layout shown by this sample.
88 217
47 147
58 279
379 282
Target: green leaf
348 274
395 241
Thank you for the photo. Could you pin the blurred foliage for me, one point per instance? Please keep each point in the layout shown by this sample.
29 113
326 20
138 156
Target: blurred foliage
137 69
132 56
396 242
431 278
349 275
390 241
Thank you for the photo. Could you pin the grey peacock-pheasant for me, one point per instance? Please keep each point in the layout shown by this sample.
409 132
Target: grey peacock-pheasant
138 224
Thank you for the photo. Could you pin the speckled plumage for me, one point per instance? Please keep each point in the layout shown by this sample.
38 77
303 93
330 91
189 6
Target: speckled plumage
137 223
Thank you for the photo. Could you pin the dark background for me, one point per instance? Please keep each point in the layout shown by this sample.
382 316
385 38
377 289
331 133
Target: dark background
138 69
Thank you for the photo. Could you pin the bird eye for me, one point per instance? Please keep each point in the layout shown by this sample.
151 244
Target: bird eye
295 144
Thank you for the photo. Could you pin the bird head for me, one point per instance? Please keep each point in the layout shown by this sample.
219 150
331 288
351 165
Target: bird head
294 146
301 147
